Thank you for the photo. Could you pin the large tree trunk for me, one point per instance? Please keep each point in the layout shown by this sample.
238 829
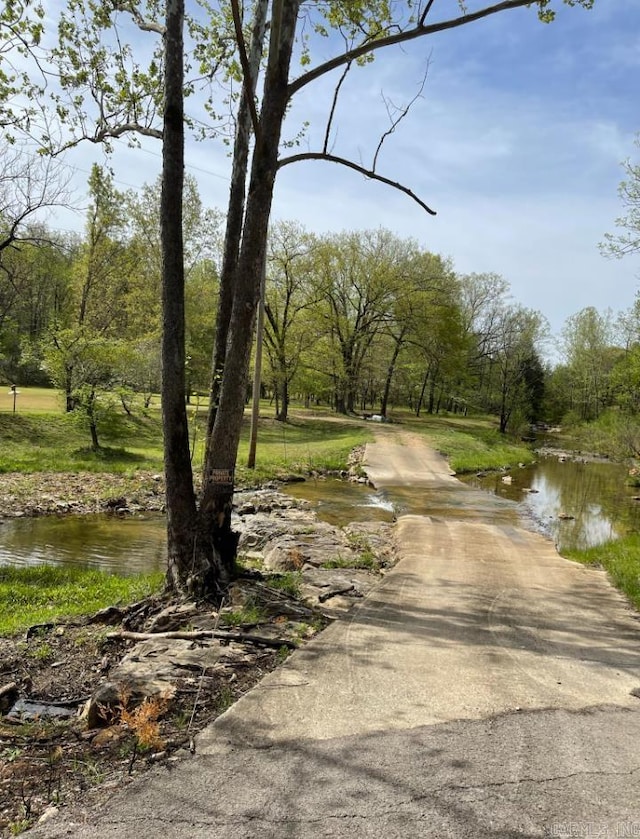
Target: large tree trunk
181 505
215 537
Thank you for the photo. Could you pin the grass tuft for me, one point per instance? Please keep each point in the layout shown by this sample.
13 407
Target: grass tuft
471 444
621 561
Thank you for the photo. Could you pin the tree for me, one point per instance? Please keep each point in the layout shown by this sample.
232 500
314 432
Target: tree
628 240
587 339
87 366
288 296
99 280
520 374
201 245
357 276
29 184
34 294
96 75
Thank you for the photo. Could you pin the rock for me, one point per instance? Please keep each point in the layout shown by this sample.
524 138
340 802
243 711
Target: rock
284 555
25 709
292 551
8 696
103 709
48 813
172 617
108 736
111 615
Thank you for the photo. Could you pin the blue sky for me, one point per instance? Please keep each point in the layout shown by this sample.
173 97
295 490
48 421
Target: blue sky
516 141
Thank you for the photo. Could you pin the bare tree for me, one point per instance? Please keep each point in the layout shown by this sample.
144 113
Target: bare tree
29 185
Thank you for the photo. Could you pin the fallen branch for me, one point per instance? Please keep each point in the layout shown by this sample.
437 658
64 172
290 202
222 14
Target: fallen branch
202 634
338 591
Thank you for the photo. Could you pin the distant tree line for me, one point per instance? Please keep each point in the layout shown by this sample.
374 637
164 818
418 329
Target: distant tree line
360 320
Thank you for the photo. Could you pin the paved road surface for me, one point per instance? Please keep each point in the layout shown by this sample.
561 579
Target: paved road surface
484 689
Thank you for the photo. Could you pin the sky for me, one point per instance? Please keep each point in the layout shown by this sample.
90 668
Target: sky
516 141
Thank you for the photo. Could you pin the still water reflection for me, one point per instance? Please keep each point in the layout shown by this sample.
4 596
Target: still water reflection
578 504
117 545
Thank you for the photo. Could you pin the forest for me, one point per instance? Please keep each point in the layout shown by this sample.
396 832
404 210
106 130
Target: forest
360 321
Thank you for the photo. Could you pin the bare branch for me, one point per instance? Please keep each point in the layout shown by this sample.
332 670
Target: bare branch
396 120
368 173
103 134
29 184
248 83
336 93
418 31
424 14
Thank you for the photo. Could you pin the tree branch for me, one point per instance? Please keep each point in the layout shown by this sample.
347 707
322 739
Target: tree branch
248 84
336 93
395 121
417 31
424 14
368 173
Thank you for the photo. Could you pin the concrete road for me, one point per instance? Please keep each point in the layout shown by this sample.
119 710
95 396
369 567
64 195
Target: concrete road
484 689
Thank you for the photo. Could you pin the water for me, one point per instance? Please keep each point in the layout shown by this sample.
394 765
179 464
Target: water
576 504
339 502
124 546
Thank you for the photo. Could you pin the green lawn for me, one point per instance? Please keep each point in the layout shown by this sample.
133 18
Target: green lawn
31 400
45 593
470 444
51 440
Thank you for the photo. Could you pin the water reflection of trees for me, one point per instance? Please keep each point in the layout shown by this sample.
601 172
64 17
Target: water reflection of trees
595 495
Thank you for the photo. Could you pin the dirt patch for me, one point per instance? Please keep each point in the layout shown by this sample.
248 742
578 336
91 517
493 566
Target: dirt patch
49 754
55 493
159 672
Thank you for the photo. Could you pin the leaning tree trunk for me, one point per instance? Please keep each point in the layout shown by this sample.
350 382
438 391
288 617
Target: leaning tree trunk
180 497
216 541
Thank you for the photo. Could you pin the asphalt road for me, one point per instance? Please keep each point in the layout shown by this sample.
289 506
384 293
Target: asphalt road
484 689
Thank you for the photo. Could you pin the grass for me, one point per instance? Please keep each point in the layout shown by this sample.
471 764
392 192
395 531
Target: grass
365 561
621 561
288 583
300 446
32 400
247 615
471 444
46 593
41 437
48 442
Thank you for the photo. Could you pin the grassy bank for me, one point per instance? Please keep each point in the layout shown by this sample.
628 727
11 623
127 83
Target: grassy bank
40 437
470 444
621 561
46 593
